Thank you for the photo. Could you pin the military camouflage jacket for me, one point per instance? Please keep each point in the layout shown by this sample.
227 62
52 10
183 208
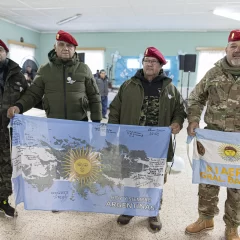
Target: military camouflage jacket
221 91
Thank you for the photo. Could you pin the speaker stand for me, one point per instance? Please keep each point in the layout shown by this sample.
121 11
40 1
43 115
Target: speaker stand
188 84
181 82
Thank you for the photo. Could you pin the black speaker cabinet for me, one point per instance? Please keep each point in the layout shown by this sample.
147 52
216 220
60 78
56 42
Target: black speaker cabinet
181 62
81 57
190 62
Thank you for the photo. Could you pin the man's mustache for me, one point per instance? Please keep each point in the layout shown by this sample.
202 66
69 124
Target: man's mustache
236 54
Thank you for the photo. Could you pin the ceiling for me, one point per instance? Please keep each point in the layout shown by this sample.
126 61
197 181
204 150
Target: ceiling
122 15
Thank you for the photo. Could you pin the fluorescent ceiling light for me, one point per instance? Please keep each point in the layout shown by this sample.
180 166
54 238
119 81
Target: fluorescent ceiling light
69 19
227 13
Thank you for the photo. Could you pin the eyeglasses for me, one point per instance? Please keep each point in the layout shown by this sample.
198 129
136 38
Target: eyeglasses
150 61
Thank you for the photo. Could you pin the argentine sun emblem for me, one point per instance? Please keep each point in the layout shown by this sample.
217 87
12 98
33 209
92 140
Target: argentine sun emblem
229 152
83 166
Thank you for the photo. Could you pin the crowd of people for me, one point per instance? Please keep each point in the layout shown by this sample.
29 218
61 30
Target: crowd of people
147 99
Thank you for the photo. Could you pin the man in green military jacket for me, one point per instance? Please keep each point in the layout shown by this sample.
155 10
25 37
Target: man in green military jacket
67 85
149 99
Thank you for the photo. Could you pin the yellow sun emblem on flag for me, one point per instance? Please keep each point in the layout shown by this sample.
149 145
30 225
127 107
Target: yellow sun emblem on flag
83 166
229 152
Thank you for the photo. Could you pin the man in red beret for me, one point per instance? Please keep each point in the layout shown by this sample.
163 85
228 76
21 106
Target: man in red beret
220 89
149 99
67 84
12 85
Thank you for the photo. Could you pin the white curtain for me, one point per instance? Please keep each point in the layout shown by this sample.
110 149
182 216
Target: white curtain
20 53
206 60
94 59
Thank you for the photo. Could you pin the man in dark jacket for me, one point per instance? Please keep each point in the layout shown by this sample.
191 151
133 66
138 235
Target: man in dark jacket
68 85
12 85
149 99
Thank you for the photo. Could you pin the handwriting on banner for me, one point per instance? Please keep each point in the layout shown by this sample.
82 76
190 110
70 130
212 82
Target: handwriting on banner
154 131
152 174
102 128
62 195
134 134
219 174
16 138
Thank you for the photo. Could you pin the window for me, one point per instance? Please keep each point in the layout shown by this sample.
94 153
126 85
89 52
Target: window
167 65
93 58
206 60
133 63
19 53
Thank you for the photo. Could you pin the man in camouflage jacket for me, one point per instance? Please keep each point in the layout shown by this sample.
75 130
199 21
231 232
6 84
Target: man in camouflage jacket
149 99
12 85
220 89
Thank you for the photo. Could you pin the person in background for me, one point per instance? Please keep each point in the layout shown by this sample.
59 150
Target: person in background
103 84
220 90
97 74
149 99
30 74
12 85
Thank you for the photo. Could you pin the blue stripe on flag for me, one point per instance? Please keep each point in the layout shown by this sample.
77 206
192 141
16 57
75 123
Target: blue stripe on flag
216 174
218 136
127 200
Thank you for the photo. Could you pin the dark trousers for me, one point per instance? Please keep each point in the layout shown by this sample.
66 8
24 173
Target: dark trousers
5 167
104 105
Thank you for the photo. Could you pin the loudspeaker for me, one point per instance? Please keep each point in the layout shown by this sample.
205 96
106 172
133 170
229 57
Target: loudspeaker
81 57
190 62
181 62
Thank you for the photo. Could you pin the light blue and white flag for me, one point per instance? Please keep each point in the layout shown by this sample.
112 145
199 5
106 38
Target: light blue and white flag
89 167
216 158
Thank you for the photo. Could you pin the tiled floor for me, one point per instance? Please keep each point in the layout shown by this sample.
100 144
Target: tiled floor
178 210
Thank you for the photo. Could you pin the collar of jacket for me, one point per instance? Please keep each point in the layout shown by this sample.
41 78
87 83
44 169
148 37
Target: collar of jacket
52 56
166 81
13 67
226 67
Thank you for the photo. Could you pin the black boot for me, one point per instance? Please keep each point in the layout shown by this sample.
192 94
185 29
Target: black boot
155 223
124 219
6 208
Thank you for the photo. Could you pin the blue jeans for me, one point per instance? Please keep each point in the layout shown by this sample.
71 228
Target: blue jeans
104 105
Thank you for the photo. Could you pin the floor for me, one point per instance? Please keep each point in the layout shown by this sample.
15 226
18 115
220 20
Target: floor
178 210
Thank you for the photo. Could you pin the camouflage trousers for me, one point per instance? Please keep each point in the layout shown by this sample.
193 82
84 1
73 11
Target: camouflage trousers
5 170
208 201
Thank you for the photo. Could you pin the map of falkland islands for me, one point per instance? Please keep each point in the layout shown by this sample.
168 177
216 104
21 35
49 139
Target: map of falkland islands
40 167
90 163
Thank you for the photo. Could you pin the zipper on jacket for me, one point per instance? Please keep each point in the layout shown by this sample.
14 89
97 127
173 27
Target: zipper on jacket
160 95
65 94
149 86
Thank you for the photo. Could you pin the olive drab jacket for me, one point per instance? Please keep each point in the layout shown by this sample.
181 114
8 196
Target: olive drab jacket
126 107
68 87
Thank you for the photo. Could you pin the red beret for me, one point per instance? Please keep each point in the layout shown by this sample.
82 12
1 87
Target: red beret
153 52
4 45
66 37
234 35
